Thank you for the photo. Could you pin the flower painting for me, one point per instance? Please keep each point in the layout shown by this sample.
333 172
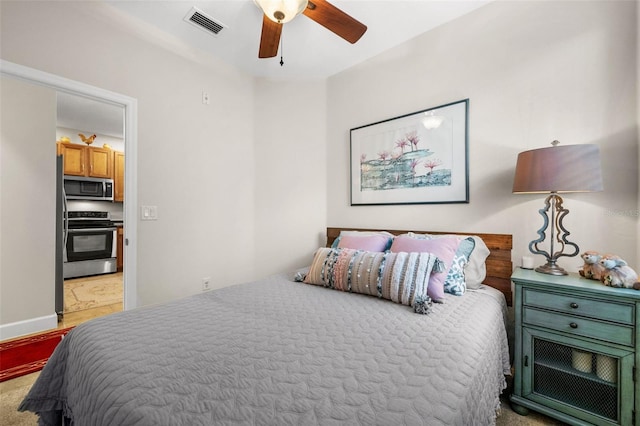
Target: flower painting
415 158
406 166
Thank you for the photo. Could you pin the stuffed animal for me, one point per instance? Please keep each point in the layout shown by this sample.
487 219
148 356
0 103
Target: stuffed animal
592 268
617 273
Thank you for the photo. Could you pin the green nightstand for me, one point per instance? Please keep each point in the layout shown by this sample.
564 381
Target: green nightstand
577 345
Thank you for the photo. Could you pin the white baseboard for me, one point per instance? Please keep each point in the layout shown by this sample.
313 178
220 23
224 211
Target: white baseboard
30 326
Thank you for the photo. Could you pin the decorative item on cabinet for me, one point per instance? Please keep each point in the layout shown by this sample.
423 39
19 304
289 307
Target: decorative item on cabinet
592 269
617 273
87 139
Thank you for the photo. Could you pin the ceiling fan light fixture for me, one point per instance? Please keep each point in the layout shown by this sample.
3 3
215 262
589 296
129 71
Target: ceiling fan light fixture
281 11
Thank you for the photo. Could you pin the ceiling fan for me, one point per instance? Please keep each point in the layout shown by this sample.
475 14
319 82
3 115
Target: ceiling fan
279 12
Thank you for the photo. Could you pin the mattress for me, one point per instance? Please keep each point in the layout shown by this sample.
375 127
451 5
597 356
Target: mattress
279 352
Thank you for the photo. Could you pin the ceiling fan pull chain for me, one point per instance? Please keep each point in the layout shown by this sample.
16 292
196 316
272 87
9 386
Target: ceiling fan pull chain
281 50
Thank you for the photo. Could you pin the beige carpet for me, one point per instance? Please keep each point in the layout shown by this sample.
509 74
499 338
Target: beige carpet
92 292
13 391
11 394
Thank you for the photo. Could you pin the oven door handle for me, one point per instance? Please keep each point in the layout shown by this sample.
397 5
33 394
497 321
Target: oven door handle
79 230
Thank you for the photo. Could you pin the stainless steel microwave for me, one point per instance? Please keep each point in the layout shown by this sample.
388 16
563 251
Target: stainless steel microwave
86 188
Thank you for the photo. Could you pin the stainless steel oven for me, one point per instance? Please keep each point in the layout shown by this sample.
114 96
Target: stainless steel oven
90 244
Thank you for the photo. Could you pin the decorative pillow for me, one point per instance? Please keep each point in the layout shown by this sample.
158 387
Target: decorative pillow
400 277
364 240
476 270
453 253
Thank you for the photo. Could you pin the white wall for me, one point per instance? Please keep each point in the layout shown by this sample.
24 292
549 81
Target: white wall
206 167
27 206
290 170
534 72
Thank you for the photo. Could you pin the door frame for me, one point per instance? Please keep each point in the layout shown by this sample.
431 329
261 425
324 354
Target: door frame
130 206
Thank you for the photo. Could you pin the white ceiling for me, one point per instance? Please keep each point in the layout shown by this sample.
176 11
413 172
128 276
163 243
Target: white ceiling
310 50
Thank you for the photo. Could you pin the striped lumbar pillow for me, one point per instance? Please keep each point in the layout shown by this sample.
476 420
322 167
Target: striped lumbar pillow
400 277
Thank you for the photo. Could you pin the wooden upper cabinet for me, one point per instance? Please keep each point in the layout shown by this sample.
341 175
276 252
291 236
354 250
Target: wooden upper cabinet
100 162
118 176
81 160
74 158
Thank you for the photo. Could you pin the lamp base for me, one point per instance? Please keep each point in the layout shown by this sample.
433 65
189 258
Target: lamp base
551 269
559 233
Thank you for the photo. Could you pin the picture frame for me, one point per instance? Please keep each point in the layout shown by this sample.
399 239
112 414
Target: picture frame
417 158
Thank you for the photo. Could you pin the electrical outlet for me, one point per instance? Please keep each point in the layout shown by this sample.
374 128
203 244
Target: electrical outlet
206 284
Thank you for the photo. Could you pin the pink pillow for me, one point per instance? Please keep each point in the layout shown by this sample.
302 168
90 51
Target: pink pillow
377 242
444 248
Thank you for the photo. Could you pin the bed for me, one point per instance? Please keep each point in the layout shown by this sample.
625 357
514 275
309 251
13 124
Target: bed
281 352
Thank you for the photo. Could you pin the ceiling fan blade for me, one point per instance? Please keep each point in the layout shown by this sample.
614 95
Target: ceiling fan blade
335 20
270 38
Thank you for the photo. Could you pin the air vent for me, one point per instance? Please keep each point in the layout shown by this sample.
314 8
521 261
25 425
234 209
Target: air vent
201 20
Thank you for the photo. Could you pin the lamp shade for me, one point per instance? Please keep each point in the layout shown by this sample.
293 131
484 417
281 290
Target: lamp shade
281 11
568 168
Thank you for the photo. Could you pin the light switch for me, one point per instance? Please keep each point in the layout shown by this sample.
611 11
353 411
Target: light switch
149 213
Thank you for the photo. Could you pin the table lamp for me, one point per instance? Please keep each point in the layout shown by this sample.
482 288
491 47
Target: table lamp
568 168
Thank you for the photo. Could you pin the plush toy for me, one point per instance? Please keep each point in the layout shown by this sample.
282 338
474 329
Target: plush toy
592 268
617 273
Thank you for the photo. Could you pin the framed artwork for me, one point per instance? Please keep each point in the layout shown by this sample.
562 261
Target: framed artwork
418 158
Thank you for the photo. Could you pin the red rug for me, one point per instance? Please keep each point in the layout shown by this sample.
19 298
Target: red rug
27 355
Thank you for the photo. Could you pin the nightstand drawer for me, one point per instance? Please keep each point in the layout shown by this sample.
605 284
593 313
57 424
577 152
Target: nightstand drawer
600 309
608 332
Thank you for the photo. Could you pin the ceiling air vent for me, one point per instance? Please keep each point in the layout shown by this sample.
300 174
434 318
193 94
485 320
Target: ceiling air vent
201 20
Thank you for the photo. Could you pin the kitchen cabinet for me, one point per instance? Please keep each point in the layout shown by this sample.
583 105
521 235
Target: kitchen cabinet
82 160
99 162
118 176
576 349
74 158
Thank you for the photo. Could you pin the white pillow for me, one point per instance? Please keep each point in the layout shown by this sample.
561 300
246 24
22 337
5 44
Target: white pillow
476 270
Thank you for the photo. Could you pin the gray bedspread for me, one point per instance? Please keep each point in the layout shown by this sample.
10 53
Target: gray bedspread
278 352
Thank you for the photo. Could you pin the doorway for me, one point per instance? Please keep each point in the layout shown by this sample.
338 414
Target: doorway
129 106
89 269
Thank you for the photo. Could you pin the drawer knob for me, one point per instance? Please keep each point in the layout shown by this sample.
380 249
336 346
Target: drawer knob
574 305
573 325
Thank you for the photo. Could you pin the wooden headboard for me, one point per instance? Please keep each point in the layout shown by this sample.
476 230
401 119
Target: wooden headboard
499 265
